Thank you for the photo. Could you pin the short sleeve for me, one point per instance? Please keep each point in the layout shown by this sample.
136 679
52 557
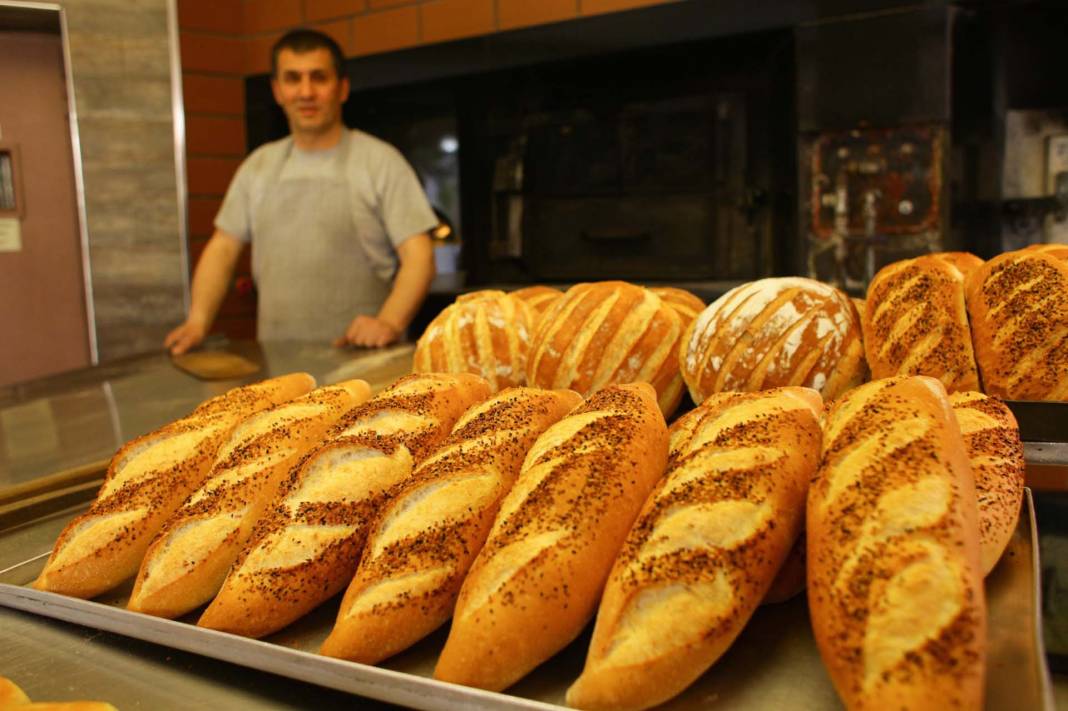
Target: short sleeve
405 210
235 215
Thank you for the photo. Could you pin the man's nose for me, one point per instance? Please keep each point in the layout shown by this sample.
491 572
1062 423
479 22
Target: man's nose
305 86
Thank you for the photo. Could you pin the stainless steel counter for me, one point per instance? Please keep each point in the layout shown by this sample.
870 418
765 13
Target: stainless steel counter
66 421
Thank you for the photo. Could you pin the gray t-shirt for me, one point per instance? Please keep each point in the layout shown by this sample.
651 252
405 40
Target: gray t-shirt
387 203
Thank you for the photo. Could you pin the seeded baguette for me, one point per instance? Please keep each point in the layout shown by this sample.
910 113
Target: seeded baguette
536 582
895 586
305 548
705 547
429 533
147 480
188 560
992 439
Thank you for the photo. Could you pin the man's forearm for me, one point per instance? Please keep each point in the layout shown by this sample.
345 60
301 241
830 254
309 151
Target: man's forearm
211 279
410 287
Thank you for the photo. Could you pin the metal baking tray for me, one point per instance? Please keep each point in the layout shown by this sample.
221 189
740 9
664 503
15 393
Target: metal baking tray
773 664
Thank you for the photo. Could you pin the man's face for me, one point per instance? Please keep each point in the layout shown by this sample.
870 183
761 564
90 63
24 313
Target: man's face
309 91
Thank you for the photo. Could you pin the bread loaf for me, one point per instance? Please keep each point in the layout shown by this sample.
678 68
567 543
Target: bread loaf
705 547
895 588
187 562
1018 306
608 332
485 332
305 548
147 480
536 582
992 439
686 305
12 697
916 323
429 533
790 580
538 298
772 333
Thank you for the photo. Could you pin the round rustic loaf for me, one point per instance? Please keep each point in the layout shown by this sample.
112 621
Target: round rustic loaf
539 298
605 333
772 333
485 332
686 305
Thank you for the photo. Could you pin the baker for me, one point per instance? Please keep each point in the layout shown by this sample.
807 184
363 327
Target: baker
336 218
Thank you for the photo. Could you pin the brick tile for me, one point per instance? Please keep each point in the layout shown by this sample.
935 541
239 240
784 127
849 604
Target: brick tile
202 212
258 53
267 15
213 95
315 10
444 20
210 176
523 13
341 31
597 7
208 53
215 136
210 15
386 30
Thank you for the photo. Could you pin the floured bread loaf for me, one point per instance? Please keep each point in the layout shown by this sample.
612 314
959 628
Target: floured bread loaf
608 332
1018 306
427 536
895 587
305 548
187 562
771 333
790 580
686 305
536 582
705 547
915 322
538 298
147 480
485 332
992 438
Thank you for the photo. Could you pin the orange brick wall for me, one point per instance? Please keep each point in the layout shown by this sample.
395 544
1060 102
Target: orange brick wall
223 41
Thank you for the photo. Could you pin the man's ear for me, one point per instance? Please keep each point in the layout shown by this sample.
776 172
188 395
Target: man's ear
276 91
344 89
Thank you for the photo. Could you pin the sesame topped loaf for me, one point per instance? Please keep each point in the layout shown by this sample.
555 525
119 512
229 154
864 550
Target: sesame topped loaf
604 333
705 547
536 582
427 536
306 546
686 305
992 439
916 324
485 332
187 562
1018 306
771 333
147 480
895 587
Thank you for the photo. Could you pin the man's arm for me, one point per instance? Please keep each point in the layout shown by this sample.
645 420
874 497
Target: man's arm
410 287
211 280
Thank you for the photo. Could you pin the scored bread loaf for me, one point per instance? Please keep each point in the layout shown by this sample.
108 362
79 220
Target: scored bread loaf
604 333
12 697
992 439
429 533
485 332
188 560
1018 306
686 305
705 547
915 322
539 298
536 582
305 548
895 588
772 333
147 480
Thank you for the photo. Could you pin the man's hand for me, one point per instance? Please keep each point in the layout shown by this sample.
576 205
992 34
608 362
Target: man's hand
369 332
186 336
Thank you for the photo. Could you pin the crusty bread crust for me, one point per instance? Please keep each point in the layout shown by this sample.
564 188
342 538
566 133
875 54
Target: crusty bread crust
992 438
188 560
539 298
895 587
536 582
608 332
705 547
686 304
915 321
484 332
305 548
147 480
427 536
1018 306
773 333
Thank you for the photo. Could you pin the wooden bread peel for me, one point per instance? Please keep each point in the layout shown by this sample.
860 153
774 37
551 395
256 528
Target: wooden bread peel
215 365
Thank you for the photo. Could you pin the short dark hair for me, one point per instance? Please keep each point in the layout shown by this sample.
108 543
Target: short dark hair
303 40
